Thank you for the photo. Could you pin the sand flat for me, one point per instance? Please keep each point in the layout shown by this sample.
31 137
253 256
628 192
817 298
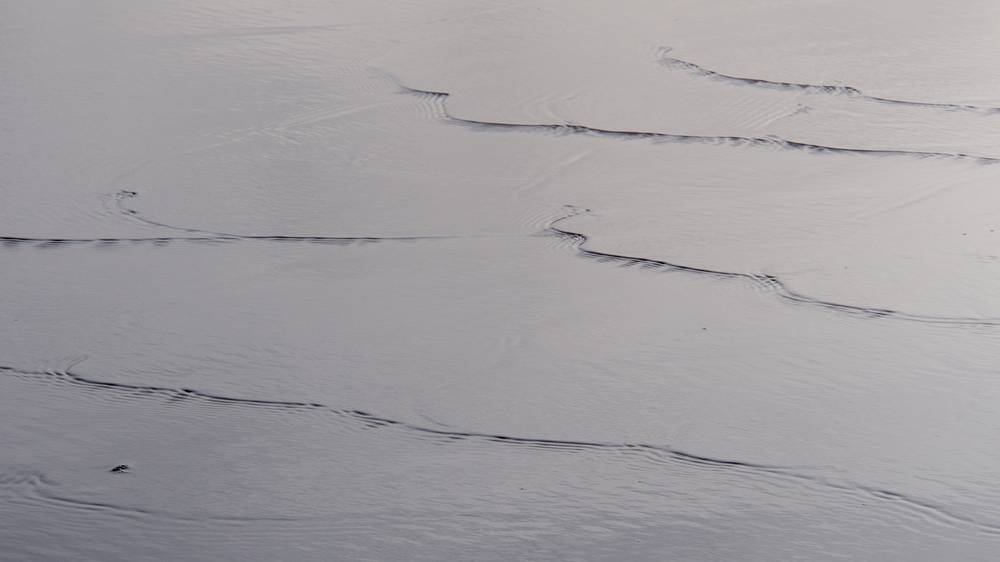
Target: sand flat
497 281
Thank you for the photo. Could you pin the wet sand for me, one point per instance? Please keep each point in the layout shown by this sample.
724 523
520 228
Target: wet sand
494 281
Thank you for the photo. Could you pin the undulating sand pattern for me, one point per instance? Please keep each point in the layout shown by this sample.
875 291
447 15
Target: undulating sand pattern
489 280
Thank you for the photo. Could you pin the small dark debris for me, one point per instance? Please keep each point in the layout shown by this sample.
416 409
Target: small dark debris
120 468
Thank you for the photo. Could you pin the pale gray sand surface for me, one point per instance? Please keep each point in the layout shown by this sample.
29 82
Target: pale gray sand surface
496 280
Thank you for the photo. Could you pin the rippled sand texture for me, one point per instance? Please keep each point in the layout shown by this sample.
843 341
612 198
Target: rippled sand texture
485 280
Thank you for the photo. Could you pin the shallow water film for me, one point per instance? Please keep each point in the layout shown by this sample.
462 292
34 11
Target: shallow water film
496 280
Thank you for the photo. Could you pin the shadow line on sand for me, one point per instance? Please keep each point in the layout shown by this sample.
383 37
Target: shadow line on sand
659 454
654 136
837 90
771 283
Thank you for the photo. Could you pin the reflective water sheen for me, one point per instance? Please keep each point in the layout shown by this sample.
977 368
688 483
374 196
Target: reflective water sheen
486 280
